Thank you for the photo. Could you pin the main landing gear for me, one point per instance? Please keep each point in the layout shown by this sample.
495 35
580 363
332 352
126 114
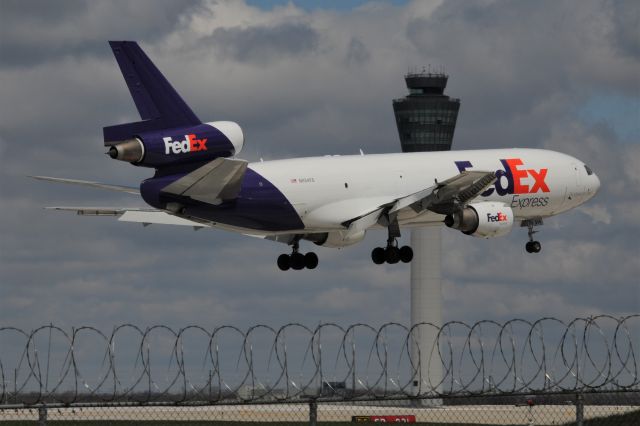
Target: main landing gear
296 260
392 253
532 246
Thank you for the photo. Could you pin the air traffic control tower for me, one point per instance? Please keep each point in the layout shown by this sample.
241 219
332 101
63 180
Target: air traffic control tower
426 121
426 118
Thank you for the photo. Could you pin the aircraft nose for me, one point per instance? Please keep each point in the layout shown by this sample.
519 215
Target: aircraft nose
595 184
592 185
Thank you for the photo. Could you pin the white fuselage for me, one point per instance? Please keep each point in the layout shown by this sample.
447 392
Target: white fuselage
327 191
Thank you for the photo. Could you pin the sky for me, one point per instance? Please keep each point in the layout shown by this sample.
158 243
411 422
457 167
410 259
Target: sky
307 79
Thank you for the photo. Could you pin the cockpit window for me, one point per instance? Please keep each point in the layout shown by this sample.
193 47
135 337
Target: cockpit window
588 169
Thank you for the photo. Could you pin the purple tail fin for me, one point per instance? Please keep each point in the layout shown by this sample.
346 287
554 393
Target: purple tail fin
159 105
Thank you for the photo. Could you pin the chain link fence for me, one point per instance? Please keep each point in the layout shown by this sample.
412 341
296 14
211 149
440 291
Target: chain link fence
548 409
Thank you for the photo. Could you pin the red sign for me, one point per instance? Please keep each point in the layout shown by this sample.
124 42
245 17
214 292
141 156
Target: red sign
383 419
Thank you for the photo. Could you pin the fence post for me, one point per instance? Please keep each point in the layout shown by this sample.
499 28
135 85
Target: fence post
42 415
579 410
313 412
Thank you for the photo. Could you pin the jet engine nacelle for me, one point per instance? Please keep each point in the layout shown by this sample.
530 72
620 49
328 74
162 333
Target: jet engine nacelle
195 144
337 239
485 220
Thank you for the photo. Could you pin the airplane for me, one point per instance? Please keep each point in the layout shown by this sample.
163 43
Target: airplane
331 200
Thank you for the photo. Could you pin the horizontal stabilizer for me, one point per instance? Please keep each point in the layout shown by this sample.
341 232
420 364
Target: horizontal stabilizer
117 188
213 183
144 216
157 217
90 211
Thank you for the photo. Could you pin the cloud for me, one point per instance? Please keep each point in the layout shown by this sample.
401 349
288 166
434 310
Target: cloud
357 53
598 213
522 82
260 44
36 32
307 83
626 16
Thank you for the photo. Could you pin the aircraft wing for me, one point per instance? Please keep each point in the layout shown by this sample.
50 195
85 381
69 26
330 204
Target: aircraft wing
117 188
144 216
443 198
447 196
220 180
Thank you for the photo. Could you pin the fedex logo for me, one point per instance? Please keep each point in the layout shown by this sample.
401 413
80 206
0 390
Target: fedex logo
514 178
189 144
500 217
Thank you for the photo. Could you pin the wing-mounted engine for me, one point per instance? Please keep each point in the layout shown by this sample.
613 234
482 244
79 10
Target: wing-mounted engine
194 144
485 220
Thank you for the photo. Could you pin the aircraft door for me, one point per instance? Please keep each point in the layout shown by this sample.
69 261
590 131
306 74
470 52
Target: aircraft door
574 187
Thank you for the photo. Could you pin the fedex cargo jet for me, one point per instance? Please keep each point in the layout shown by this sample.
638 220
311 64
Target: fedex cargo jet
331 201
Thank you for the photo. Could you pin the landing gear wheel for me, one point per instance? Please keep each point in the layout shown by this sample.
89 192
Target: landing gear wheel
284 262
310 260
378 256
533 247
406 254
392 255
297 261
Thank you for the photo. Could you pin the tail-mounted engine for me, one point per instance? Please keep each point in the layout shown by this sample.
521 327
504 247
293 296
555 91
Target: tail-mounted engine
200 143
485 220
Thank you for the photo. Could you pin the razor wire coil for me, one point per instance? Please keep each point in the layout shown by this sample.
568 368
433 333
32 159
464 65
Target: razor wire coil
328 362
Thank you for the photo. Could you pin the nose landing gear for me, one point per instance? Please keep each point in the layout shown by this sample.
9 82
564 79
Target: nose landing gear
296 260
532 246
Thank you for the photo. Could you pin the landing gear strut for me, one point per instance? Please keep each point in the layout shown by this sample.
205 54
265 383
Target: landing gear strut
392 253
296 260
532 246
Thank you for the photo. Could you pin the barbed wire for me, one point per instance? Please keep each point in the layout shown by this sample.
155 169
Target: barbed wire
328 362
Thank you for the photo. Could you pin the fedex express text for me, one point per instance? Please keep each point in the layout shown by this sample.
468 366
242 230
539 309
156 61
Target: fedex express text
511 181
